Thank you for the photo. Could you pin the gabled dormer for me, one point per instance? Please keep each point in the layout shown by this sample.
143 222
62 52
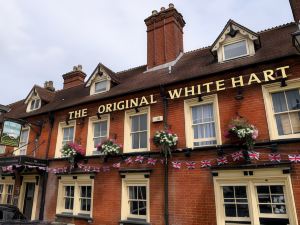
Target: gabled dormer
235 41
39 96
101 80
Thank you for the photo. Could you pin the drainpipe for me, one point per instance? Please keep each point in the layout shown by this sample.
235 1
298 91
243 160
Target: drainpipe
166 155
45 178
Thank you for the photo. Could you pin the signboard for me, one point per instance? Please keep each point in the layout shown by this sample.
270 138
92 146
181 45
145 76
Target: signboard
11 132
261 77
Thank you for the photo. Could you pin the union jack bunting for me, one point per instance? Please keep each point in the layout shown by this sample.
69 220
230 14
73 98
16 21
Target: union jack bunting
116 165
253 155
176 165
274 157
95 169
222 160
294 158
162 161
105 168
151 161
236 156
129 160
190 165
139 159
205 163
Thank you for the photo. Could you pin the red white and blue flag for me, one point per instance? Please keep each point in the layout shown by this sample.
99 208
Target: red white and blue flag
205 163
190 165
222 160
129 160
253 155
236 156
151 161
274 157
116 165
106 168
294 158
139 159
176 165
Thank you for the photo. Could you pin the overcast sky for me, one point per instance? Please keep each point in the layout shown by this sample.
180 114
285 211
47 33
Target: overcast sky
41 40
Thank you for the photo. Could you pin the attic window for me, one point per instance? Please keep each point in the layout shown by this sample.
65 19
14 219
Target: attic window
101 86
35 104
235 50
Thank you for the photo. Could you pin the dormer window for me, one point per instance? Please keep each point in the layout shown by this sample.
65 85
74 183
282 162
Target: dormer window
101 86
235 41
235 50
35 104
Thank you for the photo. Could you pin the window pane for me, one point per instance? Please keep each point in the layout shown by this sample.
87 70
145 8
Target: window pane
142 208
264 198
240 192
100 86
197 114
135 140
135 123
295 121
235 50
293 99
134 207
96 129
132 192
279 102
103 128
276 189
142 193
143 140
242 210
265 209
279 209
283 124
208 113
24 136
228 192
143 122
230 210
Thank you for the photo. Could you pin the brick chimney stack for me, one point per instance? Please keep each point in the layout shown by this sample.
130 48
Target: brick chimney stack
164 36
295 5
74 78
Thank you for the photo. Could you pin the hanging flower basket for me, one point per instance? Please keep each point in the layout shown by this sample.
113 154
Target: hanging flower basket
241 132
166 140
109 147
73 152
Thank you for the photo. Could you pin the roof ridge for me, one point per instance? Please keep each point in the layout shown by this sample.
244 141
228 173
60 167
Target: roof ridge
130 69
276 27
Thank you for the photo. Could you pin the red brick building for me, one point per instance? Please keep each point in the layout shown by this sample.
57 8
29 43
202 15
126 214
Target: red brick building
209 177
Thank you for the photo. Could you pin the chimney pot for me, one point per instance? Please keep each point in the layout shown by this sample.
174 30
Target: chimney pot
162 8
154 12
49 85
79 67
171 5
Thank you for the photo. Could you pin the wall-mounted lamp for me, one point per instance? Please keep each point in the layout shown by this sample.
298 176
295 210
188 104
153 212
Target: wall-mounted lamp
239 95
283 83
200 99
137 110
67 120
99 116
4 109
296 38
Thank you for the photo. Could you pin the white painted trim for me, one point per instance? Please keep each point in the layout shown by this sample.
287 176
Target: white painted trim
267 90
137 179
59 139
127 129
188 117
90 136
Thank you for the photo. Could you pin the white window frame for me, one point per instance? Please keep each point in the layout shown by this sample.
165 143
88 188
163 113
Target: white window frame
8 180
90 142
267 90
17 150
127 129
234 42
33 99
2 147
189 133
97 80
134 179
59 140
67 180
267 176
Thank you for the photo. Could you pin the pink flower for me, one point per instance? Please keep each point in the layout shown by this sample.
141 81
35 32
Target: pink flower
255 134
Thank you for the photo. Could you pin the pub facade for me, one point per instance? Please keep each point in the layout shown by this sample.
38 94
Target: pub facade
210 136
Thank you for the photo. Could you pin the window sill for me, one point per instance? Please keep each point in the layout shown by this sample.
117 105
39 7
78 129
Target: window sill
80 216
133 222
